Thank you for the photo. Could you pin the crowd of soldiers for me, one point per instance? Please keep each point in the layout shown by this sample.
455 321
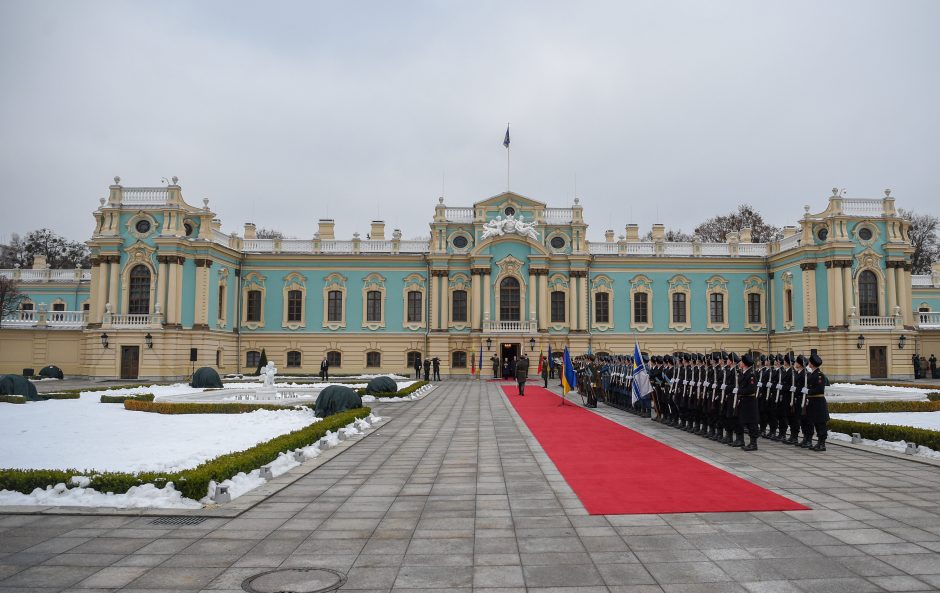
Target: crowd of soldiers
719 396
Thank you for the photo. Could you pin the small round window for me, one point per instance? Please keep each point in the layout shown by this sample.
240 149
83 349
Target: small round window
142 226
509 211
460 241
822 234
864 234
558 242
189 229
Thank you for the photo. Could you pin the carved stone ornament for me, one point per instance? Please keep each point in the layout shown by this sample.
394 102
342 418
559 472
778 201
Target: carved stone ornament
509 265
510 225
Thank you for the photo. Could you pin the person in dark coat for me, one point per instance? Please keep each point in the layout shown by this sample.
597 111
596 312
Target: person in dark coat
816 408
436 364
325 369
427 369
545 371
495 361
748 411
933 366
522 372
916 362
417 367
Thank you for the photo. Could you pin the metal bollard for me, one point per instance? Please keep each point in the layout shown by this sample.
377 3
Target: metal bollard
911 449
856 438
299 456
265 472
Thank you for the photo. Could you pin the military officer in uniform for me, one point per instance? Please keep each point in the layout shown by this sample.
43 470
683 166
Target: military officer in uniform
747 404
786 399
817 410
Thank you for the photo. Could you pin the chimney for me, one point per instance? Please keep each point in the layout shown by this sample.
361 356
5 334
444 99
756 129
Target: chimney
609 235
378 230
250 231
39 262
659 233
633 232
746 234
326 229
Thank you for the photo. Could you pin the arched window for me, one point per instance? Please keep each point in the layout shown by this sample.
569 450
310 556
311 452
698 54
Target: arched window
252 359
334 306
295 305
640 307
411 357
334 359
373 306
602 307
414 306
373 359
458 359
678 308
716 307
509 299
293 358
138 299
867 293
253 307
558 306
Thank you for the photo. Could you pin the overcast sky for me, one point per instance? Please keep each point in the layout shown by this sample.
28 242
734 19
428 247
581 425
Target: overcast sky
285 112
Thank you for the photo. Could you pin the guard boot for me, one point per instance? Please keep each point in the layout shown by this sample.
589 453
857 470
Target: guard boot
792 440
738 441
820 446
806 443
751 444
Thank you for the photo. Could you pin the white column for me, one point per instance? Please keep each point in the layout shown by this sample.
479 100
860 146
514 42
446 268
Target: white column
771 302
486 296
892 290
102 291
572 303
848 291
435 307
162 281
543 300
113 283
475 299
583 303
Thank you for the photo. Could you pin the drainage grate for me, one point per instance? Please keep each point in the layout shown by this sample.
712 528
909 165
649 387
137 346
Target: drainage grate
295 580
178 521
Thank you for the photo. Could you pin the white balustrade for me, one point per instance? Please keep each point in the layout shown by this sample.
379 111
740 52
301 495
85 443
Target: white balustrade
415 246
558 215
46 319
921 280
258 245
34 275
509 326
874 322
752 249
128 320
458 214
791 242
677 248
604 248
21 319
862 207
374 246
66 318
336 246
144 196
640 248
29 275
928 320
220 238
296 246
715 249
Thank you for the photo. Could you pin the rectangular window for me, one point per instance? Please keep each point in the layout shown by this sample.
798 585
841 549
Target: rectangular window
334 359
373 306
252 358
788 305
558 306
295 305
253 308
753 308
218 358
716 307
414 306
221 313
459 306
641 307
678 308
58 306
86 307
602 307
411 357
293 358
373 359
334 305
458 360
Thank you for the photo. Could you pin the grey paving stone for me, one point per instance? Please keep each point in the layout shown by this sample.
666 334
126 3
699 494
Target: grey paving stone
424 577
572 575
686 572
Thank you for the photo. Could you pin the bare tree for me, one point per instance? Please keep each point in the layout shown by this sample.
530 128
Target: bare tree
270 234
715 230
923 236
59 251
10 298
672 236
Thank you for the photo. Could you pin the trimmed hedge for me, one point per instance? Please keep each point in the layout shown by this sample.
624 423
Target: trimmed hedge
921 436
400 393
193 483
120 399
196 408
887 406
12 399
63 395
934 397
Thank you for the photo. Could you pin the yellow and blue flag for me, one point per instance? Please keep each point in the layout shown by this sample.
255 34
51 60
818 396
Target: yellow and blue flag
568 378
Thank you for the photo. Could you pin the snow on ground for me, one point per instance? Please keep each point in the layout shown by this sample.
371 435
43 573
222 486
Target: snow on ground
929 420
86 434
853 392
149 496
882 388
896 446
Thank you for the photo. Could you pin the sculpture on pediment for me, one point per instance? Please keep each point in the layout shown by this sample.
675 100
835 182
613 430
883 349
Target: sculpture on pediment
509 226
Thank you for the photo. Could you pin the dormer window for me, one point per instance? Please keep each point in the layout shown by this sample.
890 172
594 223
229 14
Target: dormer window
509 211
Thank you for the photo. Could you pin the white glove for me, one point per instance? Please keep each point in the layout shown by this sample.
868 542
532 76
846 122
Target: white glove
805 390
779 386
734 391
759 385
723 386
793 389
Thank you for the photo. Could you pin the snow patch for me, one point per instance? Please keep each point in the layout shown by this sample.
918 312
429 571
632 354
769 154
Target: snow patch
896 446
137 497
928 420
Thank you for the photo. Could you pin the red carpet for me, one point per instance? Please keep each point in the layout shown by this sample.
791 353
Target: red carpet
618 471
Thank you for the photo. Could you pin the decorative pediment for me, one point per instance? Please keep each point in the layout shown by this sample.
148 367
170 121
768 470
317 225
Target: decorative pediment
869 259
510 265
140 252
679 282
641 280
509 199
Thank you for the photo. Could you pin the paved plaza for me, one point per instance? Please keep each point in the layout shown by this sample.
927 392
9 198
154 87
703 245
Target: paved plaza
454 494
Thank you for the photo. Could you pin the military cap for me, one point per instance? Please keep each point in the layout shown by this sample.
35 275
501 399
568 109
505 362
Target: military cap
763 358
716 356
801 360
787 359
668 358
747 360
735 358
815 360
779 358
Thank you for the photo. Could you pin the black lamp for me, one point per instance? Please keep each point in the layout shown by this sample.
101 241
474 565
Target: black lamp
531 344
901 341
489 343
148 340
104 340
861 342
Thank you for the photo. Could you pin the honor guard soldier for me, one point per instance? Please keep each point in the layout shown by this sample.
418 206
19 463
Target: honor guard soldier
773 394
729 412
747 404
816 409
796 406
786 399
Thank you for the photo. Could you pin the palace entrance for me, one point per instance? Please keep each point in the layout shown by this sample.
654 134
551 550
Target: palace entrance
507 353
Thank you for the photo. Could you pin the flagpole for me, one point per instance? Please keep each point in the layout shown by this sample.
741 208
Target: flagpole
507 159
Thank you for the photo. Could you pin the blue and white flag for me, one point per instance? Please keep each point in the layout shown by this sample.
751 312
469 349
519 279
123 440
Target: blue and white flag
641 378
506 140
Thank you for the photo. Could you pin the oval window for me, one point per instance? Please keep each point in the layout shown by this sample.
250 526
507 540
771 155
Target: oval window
865 234
142 226
823 234
558 242
509 211
189 229
460 241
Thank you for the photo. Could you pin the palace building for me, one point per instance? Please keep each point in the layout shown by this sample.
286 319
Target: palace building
507 274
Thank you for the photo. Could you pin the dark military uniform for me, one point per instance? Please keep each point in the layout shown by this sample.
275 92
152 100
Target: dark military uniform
786 400
747 404
817 410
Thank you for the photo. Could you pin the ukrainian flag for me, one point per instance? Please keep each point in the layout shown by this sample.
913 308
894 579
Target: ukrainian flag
568 379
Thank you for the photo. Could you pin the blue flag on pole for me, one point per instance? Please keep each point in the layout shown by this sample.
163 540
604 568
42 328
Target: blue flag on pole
641 377
481 359
506 139
569 380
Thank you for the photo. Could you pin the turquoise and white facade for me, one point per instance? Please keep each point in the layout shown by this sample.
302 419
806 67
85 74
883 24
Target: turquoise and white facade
504 274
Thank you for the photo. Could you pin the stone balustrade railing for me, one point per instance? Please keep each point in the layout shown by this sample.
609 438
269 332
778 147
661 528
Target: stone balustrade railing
30 275
509 326
41 318
928 320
